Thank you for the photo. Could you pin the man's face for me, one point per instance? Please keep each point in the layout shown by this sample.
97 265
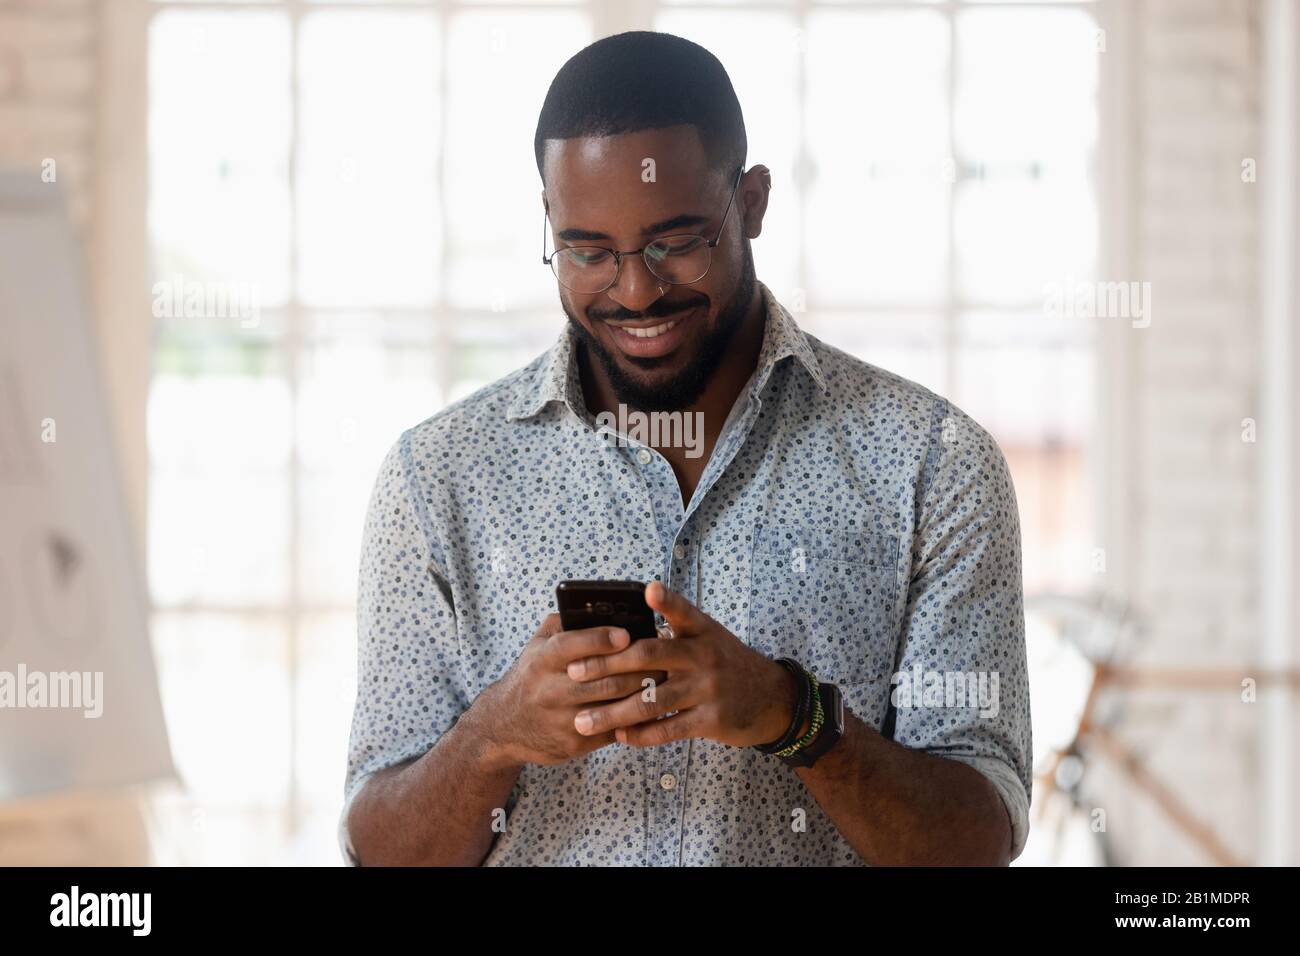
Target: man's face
596 196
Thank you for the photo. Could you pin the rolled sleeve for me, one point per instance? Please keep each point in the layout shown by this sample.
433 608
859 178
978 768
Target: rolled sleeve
962 688
409 691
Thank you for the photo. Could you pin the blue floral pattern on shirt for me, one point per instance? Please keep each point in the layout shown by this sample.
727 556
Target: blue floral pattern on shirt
847 517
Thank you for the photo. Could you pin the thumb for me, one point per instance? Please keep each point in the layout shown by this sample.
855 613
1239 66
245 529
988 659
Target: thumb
684 616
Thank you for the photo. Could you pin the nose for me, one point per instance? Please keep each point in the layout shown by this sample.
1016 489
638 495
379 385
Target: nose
636 287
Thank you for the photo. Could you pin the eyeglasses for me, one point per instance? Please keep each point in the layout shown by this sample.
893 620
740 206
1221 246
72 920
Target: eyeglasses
677 260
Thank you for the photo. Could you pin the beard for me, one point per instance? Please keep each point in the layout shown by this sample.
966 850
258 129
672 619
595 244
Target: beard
682 390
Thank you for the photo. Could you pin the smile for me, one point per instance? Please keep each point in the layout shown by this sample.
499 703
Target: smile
657 339
650 333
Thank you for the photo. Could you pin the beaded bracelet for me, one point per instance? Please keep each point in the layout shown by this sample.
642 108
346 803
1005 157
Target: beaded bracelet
818 718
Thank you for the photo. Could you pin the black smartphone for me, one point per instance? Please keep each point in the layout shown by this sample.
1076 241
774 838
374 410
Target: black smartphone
622 604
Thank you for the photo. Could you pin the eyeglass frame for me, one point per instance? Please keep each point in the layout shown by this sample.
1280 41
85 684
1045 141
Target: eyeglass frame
618 256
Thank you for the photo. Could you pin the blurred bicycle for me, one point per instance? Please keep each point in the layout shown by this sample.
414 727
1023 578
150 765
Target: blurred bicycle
1079 649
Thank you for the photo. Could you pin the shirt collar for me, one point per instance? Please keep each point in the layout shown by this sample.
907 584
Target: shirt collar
556 377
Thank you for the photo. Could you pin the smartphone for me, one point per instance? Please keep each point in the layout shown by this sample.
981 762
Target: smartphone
622 604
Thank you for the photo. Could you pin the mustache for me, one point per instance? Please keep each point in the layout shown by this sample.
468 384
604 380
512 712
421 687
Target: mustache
654 312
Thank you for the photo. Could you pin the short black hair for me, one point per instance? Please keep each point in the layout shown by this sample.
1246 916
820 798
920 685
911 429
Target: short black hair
644 80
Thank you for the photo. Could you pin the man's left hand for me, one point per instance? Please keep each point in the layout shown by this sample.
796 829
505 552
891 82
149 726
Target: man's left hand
718 687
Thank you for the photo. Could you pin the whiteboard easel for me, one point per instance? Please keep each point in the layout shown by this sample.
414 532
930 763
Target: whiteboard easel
72 594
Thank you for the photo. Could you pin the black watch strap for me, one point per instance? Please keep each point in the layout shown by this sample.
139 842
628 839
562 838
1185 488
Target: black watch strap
832 729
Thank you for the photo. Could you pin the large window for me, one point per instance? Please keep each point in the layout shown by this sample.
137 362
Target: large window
933 196
358 179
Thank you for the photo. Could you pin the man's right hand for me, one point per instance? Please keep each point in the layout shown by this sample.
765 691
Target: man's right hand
530 712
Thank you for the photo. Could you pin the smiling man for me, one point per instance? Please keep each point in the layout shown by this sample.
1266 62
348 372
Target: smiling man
842 526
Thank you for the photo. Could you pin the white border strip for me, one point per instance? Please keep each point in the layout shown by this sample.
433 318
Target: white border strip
1278 169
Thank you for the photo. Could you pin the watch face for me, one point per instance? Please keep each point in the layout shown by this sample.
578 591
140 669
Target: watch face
833 728
837 707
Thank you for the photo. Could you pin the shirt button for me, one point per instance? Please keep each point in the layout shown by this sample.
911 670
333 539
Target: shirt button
668 781
679 552
643 456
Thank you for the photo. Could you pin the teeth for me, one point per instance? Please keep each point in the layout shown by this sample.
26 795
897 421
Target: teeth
652 332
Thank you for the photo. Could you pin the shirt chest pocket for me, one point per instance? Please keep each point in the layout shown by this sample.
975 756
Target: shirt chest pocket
826 598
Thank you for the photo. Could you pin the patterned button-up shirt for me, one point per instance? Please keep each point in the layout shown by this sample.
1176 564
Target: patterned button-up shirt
847 517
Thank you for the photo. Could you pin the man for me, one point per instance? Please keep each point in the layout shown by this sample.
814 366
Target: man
832 514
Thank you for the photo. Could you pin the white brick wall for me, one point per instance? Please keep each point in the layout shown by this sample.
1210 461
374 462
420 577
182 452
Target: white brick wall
1197 118
48 66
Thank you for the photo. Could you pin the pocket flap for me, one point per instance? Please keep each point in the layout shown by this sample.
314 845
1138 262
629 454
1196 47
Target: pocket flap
874 548
812 542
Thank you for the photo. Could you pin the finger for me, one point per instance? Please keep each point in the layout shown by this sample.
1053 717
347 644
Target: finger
685 617
611 688
550 625
595 743
634 709
680 726
570 645
643 655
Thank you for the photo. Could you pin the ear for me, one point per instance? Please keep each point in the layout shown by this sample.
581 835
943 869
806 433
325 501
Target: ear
751 196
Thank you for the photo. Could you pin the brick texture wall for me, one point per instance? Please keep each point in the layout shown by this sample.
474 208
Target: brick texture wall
1197 113
48 64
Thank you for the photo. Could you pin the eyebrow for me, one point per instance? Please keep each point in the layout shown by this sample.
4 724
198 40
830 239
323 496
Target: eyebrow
676 222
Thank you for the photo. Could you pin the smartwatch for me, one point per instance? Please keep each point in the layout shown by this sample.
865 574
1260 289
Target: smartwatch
832 729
